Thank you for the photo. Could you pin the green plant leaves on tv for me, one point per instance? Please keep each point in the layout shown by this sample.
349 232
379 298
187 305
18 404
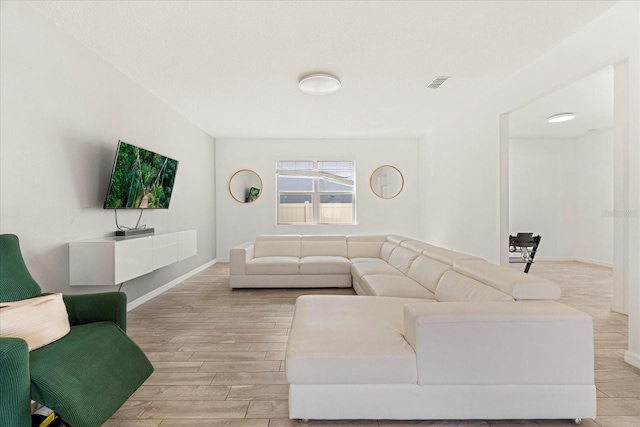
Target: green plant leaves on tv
141 179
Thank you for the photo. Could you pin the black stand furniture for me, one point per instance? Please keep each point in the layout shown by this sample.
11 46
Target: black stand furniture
526 244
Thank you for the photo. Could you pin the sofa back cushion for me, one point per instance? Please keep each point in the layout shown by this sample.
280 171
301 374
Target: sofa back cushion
427 272
415 245
396 239
455 287
364 246
445 255
402 258
386 249
282 245
519 285
326 245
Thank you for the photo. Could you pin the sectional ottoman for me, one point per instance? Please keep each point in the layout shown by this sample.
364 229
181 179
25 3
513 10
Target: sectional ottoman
432 334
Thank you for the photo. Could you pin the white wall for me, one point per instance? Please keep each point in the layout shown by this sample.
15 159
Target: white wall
241 222
562 189
541 193
460 196
593 200
466 157
63 110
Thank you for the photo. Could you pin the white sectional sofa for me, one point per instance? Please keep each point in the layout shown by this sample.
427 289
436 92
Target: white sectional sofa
433 334
393 266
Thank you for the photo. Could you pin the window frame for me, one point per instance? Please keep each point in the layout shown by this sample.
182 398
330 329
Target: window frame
315 192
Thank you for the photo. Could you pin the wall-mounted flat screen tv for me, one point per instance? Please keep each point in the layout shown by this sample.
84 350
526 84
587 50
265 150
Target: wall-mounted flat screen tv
141 179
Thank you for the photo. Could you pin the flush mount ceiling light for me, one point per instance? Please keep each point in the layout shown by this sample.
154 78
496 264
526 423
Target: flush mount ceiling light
562 117
319 84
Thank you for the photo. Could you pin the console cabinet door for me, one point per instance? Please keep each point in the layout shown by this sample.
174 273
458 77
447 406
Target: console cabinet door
165 250
134 257
92 264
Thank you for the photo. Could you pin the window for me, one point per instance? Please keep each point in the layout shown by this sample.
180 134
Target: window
316 192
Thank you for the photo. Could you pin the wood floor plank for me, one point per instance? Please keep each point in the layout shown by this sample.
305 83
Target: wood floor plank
180 378
265 366
250 378
217 423
226 356
216 347
618 421
132 423
176 392
259 392
195 409
268 408
177 367
131 410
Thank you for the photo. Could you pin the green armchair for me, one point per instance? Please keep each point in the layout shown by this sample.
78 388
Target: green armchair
84 376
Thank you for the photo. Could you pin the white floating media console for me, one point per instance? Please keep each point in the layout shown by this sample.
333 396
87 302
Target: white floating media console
113 260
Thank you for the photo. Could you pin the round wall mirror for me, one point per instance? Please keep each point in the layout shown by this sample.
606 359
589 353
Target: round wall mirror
245 186
387 182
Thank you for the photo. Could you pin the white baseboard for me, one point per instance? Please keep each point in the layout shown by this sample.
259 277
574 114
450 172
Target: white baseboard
553 258
632 359
164 288
595 262
584 260
619 309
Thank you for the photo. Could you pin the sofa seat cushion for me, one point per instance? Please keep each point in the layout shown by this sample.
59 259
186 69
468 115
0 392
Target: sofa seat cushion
396 286
361 269
515 283
454 287
273 265
71 375
373 260
339 339
324 265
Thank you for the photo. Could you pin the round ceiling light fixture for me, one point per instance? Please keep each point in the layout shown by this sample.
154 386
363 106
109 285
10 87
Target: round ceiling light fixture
319 84
562 117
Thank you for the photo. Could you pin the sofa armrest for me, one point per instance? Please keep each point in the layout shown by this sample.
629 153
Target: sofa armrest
88 308
15 385
238 258
500 343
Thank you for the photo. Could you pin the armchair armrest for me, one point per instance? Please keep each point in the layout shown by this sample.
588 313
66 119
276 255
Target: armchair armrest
238 258
15 386
107 306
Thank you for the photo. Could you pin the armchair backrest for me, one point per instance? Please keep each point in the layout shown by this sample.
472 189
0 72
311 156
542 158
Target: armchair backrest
16 282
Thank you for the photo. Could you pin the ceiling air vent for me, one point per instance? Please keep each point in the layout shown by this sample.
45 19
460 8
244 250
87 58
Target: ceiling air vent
437 82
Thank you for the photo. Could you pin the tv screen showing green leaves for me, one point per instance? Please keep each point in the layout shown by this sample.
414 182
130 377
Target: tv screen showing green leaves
141 179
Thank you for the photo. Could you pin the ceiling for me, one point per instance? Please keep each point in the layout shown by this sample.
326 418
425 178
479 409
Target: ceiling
232 67
590 98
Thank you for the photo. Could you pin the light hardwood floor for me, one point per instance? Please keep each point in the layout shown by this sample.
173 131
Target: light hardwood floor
218 354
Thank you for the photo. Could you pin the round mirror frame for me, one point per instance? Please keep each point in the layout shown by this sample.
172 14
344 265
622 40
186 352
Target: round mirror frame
401 180
238 172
